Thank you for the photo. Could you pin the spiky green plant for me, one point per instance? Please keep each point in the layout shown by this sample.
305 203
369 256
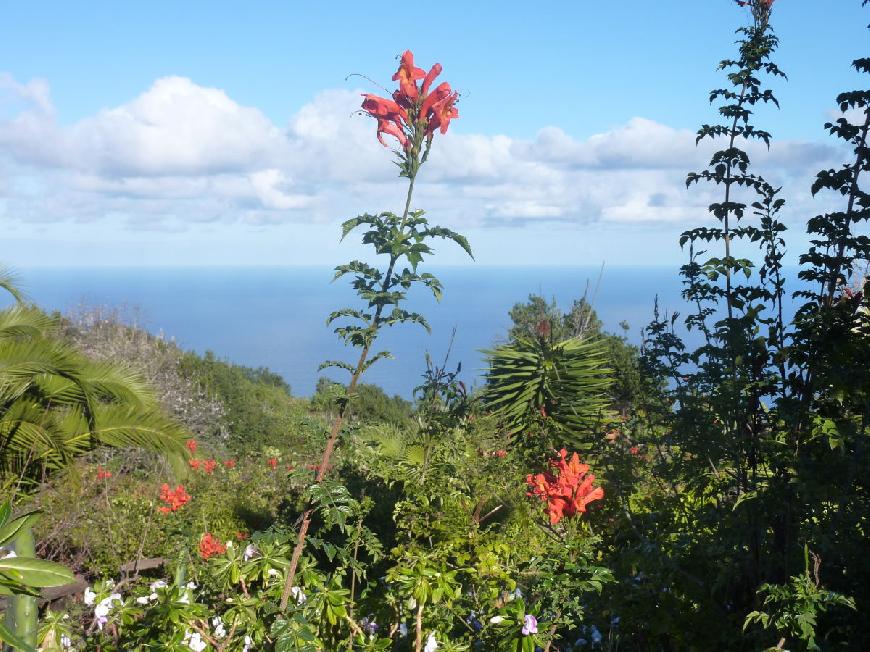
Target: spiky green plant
560 383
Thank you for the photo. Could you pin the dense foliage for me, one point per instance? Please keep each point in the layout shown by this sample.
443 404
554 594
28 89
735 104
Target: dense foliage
705 491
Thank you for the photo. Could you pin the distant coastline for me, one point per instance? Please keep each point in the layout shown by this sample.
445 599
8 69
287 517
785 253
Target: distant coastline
275 316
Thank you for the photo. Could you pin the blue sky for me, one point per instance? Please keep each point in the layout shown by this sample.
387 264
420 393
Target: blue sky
222 133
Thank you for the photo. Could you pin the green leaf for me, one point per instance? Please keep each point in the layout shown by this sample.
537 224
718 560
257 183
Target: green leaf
35 572
9 531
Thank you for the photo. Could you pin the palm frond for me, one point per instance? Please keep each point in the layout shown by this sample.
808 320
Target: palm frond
9 282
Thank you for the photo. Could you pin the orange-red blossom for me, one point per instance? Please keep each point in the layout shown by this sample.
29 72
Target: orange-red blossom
174 499
413 109
568 490
209 546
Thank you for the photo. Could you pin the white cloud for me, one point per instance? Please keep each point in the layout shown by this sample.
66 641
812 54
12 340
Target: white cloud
182 154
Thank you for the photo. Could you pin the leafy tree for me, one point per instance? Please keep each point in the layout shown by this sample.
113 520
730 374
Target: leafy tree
258 408
370 403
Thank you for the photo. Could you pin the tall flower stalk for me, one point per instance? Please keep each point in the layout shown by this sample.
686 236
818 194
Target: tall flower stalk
412 116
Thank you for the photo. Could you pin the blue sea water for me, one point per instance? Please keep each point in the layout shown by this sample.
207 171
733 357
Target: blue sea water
275 316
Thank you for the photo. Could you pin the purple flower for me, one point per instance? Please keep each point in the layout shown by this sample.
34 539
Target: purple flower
530 625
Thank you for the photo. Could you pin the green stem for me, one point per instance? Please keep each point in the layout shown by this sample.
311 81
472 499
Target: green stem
339 419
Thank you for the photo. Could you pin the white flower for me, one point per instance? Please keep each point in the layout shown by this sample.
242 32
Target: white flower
7 554
105 605
142 599
159 584
431 643
194 641
65 642
185 599
272 573
191 585
250 551
230 544
153 597
298 595
218 626
248 643
495 620
90 596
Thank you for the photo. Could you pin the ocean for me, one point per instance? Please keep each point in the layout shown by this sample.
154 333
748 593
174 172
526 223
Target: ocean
275 316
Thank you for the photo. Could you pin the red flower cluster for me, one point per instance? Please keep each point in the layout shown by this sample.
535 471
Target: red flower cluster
634 450
568 491
174 499
103 474
208 466
273 463
191 446
230 464
413 109
209 546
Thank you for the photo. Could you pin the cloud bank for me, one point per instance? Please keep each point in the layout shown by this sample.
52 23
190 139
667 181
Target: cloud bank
181 154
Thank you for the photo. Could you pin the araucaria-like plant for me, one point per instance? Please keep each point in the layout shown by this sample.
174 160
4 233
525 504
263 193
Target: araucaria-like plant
413 115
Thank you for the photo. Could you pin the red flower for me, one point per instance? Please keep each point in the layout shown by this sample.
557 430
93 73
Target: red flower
209 546
195 464
273 462
441 92
230 464
191 446
569 491
500 453
103 474
407 75
174 499
242 536
413 112
381 107
443 111
209 466
434 71
634 450
391 129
